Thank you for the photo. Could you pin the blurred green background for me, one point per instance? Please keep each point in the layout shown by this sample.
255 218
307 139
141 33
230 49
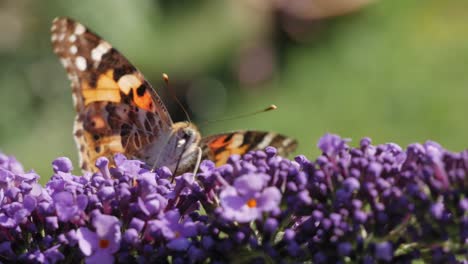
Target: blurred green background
393 70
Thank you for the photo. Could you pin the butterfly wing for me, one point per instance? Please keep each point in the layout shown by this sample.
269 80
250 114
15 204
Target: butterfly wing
117 109
219 147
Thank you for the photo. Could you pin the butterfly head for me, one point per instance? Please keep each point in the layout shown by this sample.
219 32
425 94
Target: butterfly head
185 134
185 139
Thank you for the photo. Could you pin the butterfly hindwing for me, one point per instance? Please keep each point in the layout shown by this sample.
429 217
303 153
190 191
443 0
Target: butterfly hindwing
219 147
118 110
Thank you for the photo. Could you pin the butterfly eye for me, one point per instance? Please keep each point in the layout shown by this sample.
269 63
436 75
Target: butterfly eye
188 134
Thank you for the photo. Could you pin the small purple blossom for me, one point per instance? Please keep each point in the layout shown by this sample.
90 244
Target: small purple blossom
69 207
62 164
175 230
332 145
53 255
384 251
99 246
10 164
248 198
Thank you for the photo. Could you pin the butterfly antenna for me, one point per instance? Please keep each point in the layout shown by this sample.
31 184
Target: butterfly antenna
174 96
269 108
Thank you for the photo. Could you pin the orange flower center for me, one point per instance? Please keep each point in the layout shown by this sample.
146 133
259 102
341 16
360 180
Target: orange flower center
104 243
252 203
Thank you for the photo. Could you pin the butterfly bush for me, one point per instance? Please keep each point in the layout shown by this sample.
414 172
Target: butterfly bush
369 204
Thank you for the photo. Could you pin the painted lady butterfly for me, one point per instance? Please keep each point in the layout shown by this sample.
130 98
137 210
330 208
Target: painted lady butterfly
119 112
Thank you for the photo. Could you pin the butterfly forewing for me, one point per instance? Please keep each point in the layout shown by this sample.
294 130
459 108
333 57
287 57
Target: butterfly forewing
118 111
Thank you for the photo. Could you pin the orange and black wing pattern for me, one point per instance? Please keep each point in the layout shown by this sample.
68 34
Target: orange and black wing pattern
219 147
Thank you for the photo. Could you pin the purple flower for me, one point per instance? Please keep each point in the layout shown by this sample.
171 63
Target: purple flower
6 178
5 249
152 205
345 248
130 167
53 255
16 213
336 208
332 145
175 230
99 246
9 163
52 222
62 164
137 224
437 210
131 236
69 207
351 184
69 238
103 164
384 251
33 256
248 198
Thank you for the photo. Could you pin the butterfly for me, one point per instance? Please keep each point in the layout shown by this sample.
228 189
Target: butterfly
119 112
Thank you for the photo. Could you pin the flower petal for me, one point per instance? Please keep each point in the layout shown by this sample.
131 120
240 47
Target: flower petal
87 240
102 257
269 199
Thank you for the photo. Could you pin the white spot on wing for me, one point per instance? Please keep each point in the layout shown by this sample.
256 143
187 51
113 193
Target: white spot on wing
287 141
75 99
266 140
100 50
127 82
59 21
72 38
73 78
53 37
237 140
65 62
73 49
79 29
80 63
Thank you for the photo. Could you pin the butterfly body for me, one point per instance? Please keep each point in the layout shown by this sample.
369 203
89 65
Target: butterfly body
119 112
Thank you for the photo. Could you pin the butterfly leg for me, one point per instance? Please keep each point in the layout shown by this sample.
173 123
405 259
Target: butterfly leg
197 164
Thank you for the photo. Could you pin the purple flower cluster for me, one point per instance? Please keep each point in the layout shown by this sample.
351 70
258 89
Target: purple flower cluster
362 205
